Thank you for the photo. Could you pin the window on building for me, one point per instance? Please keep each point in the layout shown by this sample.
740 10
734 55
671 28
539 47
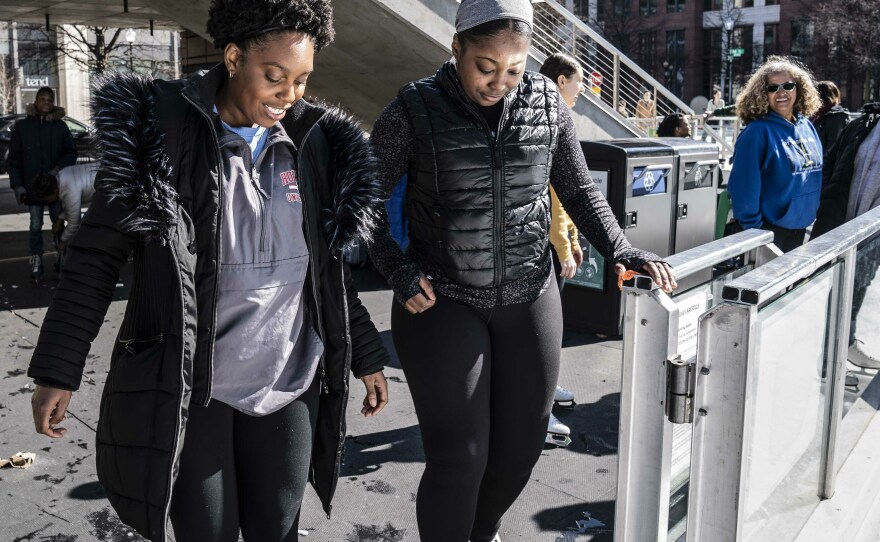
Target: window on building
620 8
742 56
770 45
647 7
712 61
673 66
771 2
801 37
675 6
36 51
582 9
646 50
713 5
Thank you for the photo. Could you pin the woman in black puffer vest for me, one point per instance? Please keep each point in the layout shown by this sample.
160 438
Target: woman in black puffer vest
477 323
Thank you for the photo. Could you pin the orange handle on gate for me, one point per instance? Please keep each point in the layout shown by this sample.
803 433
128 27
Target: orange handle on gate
627 275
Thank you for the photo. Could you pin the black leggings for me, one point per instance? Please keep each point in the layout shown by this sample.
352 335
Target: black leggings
482 381
244 472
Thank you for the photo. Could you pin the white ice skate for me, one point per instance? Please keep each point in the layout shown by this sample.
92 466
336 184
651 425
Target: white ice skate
557 433
563 398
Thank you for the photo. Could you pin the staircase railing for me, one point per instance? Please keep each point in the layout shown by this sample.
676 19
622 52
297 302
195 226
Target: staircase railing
558 30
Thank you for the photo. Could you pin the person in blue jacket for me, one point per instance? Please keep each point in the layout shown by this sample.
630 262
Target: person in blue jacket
777 161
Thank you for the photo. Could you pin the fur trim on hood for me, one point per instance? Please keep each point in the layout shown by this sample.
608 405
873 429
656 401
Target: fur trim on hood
358 198
136 167
130 148
57 112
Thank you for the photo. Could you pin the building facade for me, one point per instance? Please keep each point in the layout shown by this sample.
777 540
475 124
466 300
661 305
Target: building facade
63 58
694 46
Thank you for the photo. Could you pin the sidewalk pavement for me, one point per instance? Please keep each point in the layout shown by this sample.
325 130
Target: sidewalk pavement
570 497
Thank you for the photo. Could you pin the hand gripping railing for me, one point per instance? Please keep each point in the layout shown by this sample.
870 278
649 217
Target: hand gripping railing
558 30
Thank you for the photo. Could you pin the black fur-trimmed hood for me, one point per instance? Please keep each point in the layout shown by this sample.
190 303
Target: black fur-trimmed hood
357 198
135 165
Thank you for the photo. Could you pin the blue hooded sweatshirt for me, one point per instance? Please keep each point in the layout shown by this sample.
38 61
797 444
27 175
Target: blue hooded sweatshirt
777 173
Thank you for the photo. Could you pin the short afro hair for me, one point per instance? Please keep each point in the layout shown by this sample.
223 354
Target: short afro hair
243 23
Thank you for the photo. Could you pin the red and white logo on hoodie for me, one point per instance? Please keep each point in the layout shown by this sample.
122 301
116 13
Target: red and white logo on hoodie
288 179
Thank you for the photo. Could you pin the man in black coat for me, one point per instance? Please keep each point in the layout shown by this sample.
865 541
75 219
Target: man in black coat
40 143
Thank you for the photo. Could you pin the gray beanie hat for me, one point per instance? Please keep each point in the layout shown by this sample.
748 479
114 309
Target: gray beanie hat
473 13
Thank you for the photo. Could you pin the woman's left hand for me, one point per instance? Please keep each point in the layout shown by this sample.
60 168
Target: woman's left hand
659 271
377 393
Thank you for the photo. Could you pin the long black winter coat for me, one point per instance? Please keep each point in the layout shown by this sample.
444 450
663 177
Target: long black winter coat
837 171
37 145
830 125
159 197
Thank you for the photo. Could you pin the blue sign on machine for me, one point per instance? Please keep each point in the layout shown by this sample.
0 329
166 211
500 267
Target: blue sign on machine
647 181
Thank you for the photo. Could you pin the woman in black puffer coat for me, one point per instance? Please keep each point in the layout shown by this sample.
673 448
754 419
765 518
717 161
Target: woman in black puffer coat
477 323
235 198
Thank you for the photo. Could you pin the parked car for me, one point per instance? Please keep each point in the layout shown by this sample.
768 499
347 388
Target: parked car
81 132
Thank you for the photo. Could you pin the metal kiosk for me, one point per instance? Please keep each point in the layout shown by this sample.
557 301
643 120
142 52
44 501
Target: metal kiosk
637 177
698 171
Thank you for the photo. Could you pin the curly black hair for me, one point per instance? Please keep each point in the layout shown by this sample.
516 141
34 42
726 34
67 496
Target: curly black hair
250 23
670 123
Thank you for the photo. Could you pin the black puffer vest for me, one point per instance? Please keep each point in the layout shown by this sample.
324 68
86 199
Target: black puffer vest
478 203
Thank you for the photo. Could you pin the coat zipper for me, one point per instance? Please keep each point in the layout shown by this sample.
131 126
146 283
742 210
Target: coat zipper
497 190
218 242
305 208
263 200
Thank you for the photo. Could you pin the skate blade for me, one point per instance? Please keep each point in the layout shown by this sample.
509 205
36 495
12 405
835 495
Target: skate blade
557 440
565 405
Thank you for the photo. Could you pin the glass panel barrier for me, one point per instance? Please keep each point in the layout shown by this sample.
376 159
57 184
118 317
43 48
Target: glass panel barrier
785 439
862 392
787 390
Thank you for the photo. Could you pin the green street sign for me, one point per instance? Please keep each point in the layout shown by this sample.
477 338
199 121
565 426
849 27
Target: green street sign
737 52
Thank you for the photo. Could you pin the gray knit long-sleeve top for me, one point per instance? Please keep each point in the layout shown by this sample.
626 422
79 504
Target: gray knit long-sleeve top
394 144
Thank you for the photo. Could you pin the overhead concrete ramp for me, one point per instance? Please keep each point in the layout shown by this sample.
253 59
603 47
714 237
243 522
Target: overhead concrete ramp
382 44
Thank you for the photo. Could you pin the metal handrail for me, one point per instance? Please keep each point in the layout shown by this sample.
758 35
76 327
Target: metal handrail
692 261
556 29
772 279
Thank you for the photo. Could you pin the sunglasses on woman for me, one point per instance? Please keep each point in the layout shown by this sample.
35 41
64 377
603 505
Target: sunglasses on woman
789 85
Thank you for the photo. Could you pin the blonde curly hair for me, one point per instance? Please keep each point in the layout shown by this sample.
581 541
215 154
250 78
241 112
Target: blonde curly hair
752 102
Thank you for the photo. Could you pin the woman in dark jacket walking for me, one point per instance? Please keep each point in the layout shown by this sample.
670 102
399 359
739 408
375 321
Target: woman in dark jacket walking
831 118
477 323
236 199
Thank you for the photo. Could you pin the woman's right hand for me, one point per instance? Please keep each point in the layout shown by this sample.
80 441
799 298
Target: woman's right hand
423 301
49 406
569 268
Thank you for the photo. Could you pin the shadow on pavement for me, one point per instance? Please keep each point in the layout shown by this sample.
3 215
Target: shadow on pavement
367 453
594 519
594 426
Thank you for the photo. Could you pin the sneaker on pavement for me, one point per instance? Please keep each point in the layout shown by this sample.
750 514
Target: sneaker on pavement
36 263
563 395
859 357
557 427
